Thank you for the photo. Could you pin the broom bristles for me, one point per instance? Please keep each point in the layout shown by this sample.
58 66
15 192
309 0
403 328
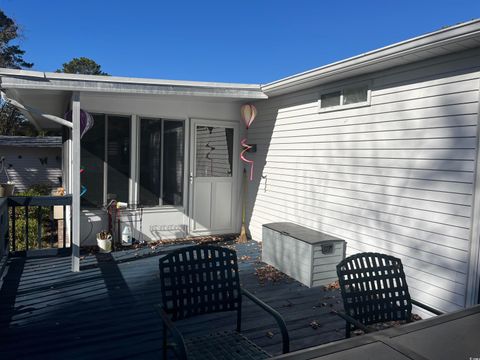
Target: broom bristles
242 238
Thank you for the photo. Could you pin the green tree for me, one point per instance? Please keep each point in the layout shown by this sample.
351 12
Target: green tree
82 65
11 56
13 123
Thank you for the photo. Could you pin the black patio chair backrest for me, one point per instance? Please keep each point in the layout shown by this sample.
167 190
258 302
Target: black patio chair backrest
374 288
199 280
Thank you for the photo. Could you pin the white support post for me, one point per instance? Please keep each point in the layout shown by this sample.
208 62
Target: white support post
75 181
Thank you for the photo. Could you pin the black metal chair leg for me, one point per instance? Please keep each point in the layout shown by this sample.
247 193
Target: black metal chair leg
165 341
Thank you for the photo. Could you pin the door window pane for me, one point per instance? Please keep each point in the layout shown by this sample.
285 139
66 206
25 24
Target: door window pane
330 99
118 157
173 159
214 149
150 161
92 160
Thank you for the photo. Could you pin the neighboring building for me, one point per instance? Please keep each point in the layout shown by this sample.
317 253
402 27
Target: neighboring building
380 150
32 160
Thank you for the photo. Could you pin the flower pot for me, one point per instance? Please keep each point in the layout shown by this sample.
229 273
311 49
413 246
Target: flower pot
6 189
105 245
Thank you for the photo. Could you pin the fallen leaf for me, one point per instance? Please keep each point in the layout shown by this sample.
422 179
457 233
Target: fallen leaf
269 273
332 286
314 324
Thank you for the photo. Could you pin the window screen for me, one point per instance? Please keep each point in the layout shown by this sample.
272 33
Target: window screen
92 155
214 151
355 95
118 157
330 99
161 162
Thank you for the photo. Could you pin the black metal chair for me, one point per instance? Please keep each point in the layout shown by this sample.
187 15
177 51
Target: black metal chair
204 279
374 290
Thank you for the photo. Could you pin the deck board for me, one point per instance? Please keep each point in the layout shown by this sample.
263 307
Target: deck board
106 312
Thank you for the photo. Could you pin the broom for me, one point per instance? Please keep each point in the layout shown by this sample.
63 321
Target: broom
242 238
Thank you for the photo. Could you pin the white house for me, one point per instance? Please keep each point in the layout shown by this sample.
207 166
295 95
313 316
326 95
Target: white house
31 161
380 150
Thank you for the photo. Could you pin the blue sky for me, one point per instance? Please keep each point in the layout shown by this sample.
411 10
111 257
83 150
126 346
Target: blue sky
231 40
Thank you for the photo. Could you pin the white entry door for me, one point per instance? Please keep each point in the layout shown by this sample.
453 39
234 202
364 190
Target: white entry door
213 167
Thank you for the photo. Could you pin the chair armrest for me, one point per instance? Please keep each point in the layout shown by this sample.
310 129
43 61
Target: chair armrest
177 336
426 307
352 321
276 315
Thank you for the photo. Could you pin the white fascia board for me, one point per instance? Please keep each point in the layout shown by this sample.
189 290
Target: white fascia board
21 79
26 73
146 81
386 55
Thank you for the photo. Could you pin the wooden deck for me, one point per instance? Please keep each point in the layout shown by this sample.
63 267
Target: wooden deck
105 311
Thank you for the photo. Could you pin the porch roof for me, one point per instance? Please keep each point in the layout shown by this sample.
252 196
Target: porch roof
50 92
38 80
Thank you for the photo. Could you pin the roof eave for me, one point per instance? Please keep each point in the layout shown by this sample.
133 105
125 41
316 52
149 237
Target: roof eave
24 79
386 55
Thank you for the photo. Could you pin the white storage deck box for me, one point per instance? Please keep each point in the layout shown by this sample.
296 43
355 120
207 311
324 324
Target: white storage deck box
304 254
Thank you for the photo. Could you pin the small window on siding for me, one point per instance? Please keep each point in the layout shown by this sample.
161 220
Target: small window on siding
345 98
330 99
355 95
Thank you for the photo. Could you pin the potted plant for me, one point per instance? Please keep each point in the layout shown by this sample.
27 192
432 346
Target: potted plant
6 189
104 241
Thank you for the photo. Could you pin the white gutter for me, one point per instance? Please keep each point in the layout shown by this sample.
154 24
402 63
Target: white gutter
37 112
25 79
386 54
124 80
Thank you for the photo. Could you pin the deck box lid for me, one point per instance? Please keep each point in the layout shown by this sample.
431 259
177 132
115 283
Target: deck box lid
302 233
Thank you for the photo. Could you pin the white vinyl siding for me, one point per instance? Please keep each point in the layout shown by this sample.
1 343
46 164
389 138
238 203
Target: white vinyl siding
395 177
32 166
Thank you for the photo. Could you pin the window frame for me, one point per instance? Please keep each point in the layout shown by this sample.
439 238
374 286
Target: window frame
134 181
137 160
341 89
105 156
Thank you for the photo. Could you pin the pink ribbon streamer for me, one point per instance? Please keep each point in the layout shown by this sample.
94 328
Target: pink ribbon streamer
246 148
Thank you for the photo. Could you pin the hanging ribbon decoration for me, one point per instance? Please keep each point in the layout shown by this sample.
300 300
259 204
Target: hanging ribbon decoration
249 112
242 156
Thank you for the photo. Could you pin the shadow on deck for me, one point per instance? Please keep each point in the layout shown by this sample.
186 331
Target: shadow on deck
105 311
